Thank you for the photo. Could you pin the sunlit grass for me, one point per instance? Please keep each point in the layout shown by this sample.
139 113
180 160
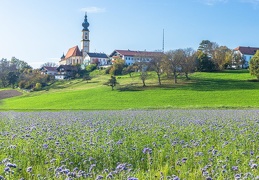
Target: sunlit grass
229 89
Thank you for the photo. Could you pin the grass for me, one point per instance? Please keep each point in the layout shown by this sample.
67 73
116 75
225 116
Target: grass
228 89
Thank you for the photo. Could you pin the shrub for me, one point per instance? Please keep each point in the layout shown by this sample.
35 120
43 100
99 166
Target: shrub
38 87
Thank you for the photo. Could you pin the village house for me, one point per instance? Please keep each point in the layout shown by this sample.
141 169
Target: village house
101 59
246 53
130 57
66 72
48 70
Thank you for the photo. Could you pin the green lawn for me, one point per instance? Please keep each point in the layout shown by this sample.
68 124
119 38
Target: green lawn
228 89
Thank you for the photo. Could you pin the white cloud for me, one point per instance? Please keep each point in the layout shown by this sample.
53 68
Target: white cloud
213 2
93 10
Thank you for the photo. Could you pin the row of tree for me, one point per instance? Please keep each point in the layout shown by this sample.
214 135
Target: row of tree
16 72
209 57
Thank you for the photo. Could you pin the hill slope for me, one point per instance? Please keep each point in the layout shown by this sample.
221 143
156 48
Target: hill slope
229 89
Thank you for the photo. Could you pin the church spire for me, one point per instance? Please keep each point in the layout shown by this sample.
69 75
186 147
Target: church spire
85 43
85 24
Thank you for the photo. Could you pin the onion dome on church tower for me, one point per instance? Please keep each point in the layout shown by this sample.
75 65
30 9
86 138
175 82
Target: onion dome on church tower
85 24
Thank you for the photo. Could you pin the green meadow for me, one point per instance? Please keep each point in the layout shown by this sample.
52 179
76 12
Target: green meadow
228 89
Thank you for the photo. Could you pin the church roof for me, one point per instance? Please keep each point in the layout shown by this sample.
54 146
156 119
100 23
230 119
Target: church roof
247 50
135 53
74 51
97 55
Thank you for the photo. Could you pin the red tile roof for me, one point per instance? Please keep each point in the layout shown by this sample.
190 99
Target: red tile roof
74 51
247 50
137 53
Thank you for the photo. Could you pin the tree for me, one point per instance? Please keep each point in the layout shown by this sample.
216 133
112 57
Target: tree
207 47
142 68
188 64
143 77
117 67
172 62
4 70
130 69
237 61
19 64
156 64
204 63
254 65
221 57
49 64
112 82
12 78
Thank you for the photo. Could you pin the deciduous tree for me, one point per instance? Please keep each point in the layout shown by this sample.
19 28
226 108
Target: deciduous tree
254 65
222 57
49 64
117 67
207 47
188 64
156 64
112 82
172 62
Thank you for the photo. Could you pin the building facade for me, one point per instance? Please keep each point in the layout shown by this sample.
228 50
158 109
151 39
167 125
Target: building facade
101 59
246 54
130 57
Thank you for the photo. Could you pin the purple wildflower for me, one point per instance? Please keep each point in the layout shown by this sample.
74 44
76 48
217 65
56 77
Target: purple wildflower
11 165
184 160
147 151
235 168
29 169
132 178
253 166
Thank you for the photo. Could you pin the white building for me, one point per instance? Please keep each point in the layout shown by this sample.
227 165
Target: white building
246 53
130 57
96 58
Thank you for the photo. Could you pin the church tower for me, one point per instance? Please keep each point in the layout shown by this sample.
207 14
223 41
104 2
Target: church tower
85 43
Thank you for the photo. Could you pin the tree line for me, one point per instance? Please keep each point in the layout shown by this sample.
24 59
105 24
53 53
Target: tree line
208 57
18 73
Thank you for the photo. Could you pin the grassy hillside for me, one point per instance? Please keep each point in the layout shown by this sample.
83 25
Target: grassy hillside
229 89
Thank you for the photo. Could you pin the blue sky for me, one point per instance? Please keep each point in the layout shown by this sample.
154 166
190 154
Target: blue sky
40 31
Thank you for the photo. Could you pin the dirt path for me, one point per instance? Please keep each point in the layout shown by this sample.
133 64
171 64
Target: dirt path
9 93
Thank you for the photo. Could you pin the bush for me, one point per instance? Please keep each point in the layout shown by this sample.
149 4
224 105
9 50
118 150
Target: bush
91 67
38 87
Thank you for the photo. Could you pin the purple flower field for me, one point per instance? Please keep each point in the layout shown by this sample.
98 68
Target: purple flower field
129 144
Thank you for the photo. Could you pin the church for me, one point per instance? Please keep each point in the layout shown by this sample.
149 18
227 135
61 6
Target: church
83 57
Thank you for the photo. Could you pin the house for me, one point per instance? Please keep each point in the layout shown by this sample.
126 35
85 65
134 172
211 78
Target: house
66 72
96 58
48 70
246 53
130 57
